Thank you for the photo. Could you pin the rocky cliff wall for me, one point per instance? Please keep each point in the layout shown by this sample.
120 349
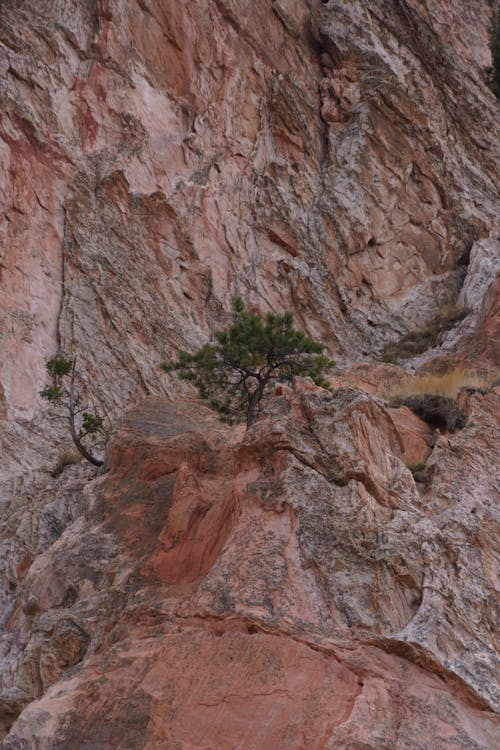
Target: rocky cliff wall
158 157
289 588
338 159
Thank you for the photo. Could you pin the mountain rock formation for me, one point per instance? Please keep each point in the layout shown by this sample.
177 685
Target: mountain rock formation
296 586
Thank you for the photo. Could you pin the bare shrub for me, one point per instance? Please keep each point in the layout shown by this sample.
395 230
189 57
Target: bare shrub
418 341
440 411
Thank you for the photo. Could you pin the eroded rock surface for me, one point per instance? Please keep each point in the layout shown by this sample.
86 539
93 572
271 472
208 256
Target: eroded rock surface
158 157
288 587
294 586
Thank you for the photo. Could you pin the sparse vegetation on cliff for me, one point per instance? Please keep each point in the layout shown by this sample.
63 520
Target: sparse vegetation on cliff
434 397
233 373
86 427
449 383
439 411
419 340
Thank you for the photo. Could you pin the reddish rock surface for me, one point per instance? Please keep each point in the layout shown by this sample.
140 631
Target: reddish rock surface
159 157
286 587
293 587
416 436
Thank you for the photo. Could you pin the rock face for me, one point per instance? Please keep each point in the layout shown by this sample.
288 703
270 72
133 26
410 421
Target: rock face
285 588
161 156
294 587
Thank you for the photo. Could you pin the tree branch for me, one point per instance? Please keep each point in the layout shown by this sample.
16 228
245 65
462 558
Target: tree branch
76 438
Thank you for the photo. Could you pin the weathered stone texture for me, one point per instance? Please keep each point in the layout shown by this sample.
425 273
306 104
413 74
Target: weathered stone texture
289 589
160 157
295 586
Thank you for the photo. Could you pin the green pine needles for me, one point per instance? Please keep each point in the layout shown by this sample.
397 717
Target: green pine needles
86 428
233 373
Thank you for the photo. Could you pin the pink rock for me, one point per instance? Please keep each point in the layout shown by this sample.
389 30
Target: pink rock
288 588
261 589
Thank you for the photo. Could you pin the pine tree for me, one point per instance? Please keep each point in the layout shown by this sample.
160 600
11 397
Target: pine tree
84 425
233 373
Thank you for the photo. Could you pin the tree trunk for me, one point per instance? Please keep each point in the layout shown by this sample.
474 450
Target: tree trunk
253 403
78 443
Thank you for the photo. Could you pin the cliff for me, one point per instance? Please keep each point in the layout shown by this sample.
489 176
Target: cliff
294 587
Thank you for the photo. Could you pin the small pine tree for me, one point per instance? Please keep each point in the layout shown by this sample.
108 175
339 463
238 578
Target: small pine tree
232 373
83 424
